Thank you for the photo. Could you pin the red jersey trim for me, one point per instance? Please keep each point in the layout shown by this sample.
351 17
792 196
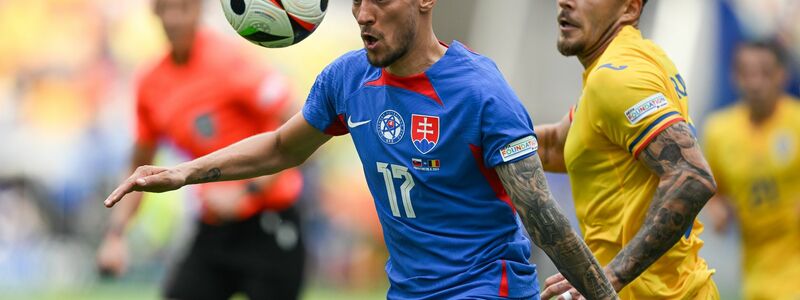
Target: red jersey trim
653 135
503 292
337 127
491 177
419 83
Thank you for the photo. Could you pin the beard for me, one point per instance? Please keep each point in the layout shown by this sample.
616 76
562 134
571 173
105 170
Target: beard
569 48
406 39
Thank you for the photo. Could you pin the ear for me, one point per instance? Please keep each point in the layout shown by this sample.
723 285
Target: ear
426 6
631 12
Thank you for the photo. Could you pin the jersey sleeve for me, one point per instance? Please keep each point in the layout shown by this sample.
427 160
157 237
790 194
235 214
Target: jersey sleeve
320 109
632 106
506 130
146 130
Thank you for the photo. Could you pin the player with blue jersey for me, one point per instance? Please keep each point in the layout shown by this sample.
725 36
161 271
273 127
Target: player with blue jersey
449 154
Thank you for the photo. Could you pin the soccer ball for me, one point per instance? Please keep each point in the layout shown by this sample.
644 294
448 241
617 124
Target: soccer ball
274 23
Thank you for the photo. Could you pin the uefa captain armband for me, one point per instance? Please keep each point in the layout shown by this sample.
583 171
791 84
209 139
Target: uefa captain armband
519 148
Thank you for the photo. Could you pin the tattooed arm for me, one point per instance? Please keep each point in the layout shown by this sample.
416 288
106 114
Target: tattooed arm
262 154
685 186
549 228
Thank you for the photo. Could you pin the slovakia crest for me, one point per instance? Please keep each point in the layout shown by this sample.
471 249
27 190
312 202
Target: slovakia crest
424 132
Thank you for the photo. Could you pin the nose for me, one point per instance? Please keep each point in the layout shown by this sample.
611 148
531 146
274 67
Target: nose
566 4
364 12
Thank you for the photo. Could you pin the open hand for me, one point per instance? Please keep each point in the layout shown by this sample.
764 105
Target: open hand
147 179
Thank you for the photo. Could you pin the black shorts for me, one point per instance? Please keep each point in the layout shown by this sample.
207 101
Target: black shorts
262 257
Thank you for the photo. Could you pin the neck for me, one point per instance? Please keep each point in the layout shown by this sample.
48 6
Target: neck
762 113
424 51
594 52
180 57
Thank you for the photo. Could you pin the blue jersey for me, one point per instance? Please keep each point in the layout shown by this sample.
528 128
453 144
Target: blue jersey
429 144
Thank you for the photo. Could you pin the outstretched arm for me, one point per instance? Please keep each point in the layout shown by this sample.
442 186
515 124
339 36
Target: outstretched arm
552 138
262 154
684 187
550 230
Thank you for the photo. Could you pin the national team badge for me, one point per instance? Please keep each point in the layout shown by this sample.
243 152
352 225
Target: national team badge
424 132
390 127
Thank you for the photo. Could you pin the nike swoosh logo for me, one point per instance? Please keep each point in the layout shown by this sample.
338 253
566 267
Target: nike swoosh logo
355 124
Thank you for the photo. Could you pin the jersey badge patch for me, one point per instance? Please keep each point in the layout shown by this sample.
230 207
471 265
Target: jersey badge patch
426 164
646 107
519 148
390 127
424 132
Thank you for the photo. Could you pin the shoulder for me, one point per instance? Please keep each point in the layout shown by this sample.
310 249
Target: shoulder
719 121
350 63
617 73
793 104
477 75
150 77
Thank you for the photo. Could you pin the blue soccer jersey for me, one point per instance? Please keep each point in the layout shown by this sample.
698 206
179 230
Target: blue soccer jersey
429 144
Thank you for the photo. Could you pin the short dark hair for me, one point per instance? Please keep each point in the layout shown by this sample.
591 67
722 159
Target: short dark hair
769 45
644 2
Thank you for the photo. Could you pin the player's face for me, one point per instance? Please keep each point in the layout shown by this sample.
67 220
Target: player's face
388 28
759 75
583 23
179 18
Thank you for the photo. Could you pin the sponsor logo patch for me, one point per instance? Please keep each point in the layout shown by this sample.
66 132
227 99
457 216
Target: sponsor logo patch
519 148
645 108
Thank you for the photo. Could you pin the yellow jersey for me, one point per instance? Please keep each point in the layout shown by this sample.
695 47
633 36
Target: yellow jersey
631 93
758 169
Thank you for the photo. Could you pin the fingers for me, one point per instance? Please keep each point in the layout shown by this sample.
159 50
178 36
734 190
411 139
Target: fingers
572 294
123 189
553 279
135 182
556 289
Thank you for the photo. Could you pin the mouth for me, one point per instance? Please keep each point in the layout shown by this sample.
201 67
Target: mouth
370 40
565 24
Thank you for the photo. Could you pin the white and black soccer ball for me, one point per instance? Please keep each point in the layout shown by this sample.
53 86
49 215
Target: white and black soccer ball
274 23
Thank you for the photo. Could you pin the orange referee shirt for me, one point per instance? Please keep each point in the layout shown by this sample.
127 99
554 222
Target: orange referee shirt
218 97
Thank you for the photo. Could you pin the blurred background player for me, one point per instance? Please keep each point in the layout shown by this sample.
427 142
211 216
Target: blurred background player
753 149
204 95
638 177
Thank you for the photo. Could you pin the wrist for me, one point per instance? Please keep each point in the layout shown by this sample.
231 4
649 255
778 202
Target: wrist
614 279
187 174
115 232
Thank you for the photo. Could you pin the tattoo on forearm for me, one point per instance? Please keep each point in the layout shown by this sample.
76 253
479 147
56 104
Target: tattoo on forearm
550 230
211 175
685 187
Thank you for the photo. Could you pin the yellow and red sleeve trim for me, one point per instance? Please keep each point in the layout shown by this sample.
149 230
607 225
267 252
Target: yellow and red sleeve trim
652 131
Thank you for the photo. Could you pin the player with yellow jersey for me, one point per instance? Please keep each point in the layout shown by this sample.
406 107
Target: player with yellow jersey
638 177
754 150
